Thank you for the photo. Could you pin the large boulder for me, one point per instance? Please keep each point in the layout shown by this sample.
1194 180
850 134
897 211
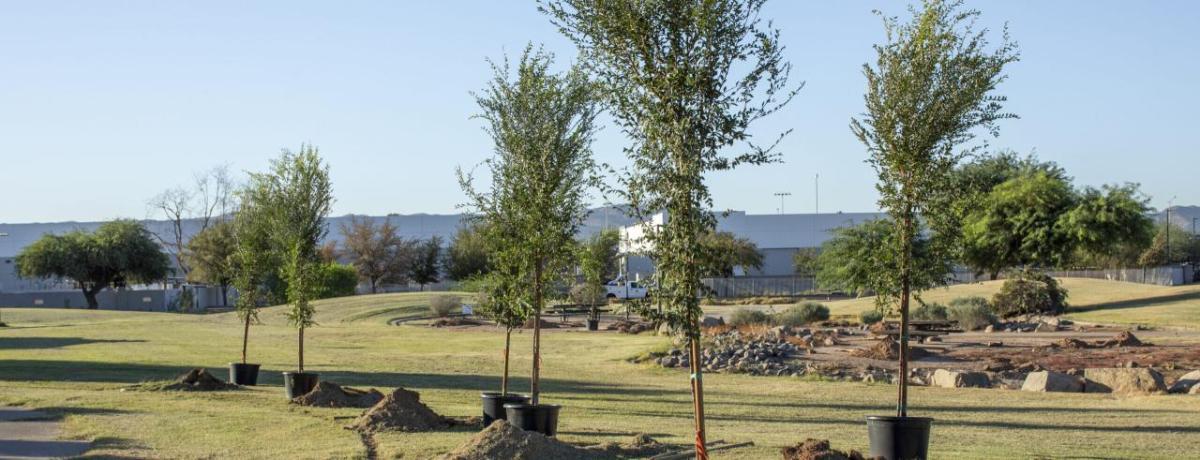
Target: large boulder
1123 380
1185 383
1052 381
712 321
960 379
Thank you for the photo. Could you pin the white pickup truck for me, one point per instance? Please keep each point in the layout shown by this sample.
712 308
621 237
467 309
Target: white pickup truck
621 289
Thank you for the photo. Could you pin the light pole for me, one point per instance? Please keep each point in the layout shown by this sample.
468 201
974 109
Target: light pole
781 195
1167 253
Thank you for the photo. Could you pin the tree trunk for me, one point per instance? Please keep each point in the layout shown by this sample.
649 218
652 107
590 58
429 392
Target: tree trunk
224 295
504 378
300 368
374 283
905 291
537 334
697 393
89 294
245 338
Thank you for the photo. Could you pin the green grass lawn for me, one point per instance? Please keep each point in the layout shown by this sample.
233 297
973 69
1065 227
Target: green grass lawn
1089 299
75 363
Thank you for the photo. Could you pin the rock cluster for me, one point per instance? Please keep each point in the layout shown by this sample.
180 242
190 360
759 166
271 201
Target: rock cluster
733 352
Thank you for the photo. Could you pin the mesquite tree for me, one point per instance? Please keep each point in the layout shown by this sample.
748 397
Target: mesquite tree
684 81
931 86
297 197
542 125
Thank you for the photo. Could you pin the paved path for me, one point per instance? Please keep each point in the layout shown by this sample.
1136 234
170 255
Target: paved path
31 434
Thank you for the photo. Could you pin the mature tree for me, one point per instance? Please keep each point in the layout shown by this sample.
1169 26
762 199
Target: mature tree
1108 226
117 253
1016 224
336 280
466 256
805 261
209 200
424 266
727 251
211 254
542 125
296 196
684 80
1171 245
378 251
852 262
931 86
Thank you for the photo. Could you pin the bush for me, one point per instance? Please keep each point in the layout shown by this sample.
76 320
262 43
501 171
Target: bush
337 280
870 316
587 294
805 313
971 313
1029 292
930 312
744 317
442 305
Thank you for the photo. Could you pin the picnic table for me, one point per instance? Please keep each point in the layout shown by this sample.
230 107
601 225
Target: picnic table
567 310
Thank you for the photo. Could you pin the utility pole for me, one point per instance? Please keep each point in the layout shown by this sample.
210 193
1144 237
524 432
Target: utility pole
781 195
817 194
1167 253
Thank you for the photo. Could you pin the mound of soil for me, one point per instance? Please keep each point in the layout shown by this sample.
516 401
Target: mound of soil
501 440
1124 339
814 449
448 322
888 349
629 327
197 379
400 411
329 394
1069 342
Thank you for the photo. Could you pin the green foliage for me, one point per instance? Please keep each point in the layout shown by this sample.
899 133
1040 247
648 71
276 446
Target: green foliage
424 268
497 296
117 253
442 305
1183 246
598 264
930 312
971 313
1017 224
587 294
805 261
684 81
870 316
805 313
337 280
1029 292
747 317
467 255
211 254
852 261
725 251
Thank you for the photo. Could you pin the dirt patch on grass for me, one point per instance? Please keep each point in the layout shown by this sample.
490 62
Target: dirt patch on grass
1124 339
453 322
329 394
502 440
888 349
400 411
818 449
637 446
197 379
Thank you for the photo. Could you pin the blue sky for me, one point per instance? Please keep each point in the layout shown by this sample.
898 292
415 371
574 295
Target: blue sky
104 104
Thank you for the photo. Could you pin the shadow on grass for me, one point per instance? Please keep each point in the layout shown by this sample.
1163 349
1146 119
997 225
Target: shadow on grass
1135 303
129 373
34 343
711 400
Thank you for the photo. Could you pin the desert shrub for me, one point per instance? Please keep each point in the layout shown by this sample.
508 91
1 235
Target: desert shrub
870 316
587 294
1029 292
971 313
744 317
930 312
336 280
443 305
805 313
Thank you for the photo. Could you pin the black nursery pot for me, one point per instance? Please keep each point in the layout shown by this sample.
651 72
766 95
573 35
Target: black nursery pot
243 373
542 418
298 384
593 324
899 438
493 405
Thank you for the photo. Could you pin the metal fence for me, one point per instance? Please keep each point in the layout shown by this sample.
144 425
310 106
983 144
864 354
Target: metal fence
1161 276
760 286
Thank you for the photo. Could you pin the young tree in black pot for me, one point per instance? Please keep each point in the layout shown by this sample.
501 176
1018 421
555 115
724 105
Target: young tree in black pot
297 197
542 125
930 88
500 299
253 260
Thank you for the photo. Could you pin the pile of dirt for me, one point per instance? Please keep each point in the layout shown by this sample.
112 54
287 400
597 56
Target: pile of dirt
449 322
1124 339
197 379
888 349
629 327
502 440
818 449
400 411
329 394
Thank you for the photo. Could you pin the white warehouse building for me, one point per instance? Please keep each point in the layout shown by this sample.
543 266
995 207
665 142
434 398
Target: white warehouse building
778 237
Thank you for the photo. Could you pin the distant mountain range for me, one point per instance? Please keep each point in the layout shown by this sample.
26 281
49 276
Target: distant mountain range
420 226
1181 216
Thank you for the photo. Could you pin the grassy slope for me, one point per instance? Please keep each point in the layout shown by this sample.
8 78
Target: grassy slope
74 363
1089 299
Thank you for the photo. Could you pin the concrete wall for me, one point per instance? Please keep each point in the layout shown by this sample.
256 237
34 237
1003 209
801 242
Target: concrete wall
132 300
